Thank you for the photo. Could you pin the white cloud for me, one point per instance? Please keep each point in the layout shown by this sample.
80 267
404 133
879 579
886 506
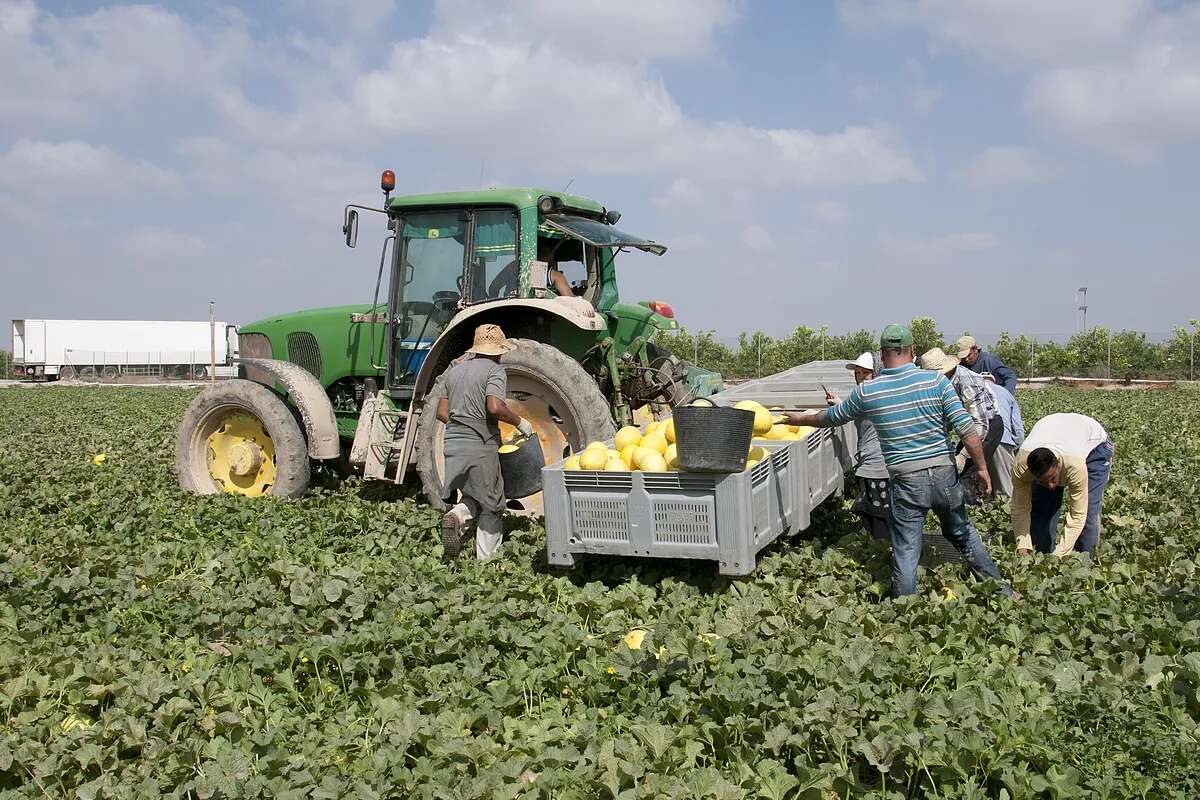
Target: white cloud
831 212
163 244
1007 30
758 238
680 192
936 250
613 29
1136 103
475 92
997 166
85 66
45 168
1122 76
924 98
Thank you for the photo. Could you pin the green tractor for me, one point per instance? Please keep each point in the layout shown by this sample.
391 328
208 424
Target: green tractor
350 385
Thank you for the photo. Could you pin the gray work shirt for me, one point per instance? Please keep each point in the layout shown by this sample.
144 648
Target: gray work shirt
869 462
468 385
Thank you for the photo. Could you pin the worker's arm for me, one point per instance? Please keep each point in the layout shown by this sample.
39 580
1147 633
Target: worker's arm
497 408
974 446
1005 376
1073 475
1016 424
560 284
852 408
443 411
1022 503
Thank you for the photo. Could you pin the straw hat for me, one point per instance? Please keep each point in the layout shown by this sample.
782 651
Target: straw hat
490 341
938 360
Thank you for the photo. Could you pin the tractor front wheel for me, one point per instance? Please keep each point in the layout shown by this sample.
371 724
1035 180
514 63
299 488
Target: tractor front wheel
239 437
546 387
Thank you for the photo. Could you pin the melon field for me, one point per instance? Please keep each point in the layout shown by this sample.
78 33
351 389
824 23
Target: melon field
159 644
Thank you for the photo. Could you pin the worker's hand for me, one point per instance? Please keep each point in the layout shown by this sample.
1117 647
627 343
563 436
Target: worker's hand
831 398
983 479
1024 551
525 427
789 418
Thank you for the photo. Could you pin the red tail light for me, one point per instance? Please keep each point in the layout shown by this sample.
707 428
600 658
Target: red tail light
662 309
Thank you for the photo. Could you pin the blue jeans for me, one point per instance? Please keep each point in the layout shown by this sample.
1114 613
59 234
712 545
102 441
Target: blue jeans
1046 505
914 495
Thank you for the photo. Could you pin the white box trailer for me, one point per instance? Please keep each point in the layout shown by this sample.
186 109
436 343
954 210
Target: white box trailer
103 349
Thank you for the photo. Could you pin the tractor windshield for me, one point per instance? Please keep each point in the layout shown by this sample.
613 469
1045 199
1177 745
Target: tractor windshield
426 287
600 234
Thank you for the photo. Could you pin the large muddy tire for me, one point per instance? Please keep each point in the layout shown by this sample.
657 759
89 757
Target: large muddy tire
239 437
546 387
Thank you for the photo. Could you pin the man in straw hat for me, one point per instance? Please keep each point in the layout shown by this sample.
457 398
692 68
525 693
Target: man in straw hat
912 409
869 467
977 398
472 410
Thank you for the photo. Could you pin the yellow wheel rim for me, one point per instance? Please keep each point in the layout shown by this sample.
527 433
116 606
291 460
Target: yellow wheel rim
241 456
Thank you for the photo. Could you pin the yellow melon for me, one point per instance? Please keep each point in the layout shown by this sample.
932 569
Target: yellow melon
672 456
702 403
655 442
668 431
653 463
627 454
762 418
508 448
593 458
757 453
627 436
571 464
616 465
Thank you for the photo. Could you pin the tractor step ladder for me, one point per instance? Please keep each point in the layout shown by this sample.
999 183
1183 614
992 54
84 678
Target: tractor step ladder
380 434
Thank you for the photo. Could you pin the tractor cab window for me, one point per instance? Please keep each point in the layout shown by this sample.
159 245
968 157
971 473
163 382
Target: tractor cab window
575 260
426 289
494 270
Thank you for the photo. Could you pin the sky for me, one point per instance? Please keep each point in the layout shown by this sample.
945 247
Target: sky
844 163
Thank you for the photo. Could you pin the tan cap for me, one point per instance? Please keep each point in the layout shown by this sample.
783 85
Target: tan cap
938 360
490 341
964 345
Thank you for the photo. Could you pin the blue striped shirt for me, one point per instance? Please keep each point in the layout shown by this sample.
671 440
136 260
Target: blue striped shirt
912 409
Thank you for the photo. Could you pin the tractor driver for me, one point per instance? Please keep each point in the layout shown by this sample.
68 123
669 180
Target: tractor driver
505 282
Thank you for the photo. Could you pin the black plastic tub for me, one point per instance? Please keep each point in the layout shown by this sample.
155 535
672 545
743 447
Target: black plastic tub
713 438
522 470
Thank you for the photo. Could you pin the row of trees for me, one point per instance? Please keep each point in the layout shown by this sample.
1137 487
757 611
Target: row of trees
6 368
1096 353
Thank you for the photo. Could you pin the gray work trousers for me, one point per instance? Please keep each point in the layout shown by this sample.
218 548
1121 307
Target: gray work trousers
489 527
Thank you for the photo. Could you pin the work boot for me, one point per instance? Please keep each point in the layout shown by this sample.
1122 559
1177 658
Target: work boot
453 523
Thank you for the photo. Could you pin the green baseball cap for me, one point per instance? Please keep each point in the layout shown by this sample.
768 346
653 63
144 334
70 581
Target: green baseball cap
896 336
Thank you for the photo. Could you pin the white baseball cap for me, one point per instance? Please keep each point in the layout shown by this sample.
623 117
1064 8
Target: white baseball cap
865 361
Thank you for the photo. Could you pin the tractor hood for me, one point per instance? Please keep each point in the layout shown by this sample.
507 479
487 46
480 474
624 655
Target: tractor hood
599 234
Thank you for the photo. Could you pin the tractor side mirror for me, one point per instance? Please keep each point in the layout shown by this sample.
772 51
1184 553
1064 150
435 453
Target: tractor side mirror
350 228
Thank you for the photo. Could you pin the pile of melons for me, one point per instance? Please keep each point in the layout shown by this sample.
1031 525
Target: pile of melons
653 449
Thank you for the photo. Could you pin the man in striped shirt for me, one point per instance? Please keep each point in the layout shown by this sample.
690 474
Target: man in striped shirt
912 409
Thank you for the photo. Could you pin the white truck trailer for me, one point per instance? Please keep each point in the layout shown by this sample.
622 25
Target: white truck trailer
106 350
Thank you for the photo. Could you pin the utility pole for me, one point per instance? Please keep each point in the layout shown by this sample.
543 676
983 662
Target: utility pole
1081 307
212 342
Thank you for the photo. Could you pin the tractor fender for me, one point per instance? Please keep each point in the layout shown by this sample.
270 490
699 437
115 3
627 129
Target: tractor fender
307 394
576 311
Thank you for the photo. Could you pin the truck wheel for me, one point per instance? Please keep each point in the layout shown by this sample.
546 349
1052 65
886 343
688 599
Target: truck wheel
239 437
199 373
66 373
87 374
546 387
109 373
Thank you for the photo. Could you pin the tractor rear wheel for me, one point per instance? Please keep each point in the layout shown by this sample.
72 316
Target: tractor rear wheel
546 387
239 437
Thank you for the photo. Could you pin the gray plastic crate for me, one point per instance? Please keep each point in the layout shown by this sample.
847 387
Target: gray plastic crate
724 518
